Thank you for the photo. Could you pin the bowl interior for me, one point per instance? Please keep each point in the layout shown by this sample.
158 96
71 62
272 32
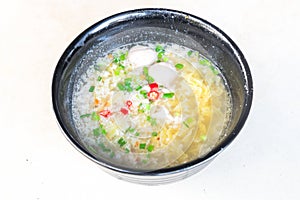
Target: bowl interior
158 26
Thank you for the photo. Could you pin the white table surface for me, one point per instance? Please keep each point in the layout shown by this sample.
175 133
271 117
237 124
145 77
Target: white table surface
37 162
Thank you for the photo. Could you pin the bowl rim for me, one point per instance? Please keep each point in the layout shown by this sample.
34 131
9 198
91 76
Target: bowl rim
83 36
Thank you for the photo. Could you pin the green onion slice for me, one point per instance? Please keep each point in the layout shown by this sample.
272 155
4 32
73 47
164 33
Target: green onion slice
122 56
95 116
142 145
92 88
85 115
168 95
121 86
121 142
99 130
179 66
205 62
150 148
138 88
154 134
159 49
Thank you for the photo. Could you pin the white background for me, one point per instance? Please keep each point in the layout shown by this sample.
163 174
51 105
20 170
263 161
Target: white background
37 162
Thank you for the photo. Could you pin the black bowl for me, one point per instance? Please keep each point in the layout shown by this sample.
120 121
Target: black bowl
159 26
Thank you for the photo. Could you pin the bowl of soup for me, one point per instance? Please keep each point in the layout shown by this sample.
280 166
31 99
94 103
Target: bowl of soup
152 95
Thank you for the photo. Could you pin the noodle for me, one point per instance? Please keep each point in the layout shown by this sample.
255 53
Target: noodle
151 106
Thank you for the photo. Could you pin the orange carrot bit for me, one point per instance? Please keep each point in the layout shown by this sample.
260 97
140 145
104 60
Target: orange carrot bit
96 101
136 144
106 104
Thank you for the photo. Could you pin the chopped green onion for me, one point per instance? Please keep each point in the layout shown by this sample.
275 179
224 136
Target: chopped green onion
154 134
190 52
138 88
144 93
165 59
160 55
159 48
92 88
99 78
150 148
161 52
137 134
127 81
147 106
117 72
103 130
129 129
146 71
205 62
179 66
95 116
203 137
121 66
151 120
140 110
96 131
126 85
186 124
121 142
127 150
122 56
129 89
189 120
99 130
85 115
121 86
142 145
168 95
214 70
116 60
150 79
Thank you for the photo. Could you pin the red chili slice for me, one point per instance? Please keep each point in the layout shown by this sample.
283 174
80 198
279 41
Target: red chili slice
153 86
153 95
124 111
129 103
105 113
